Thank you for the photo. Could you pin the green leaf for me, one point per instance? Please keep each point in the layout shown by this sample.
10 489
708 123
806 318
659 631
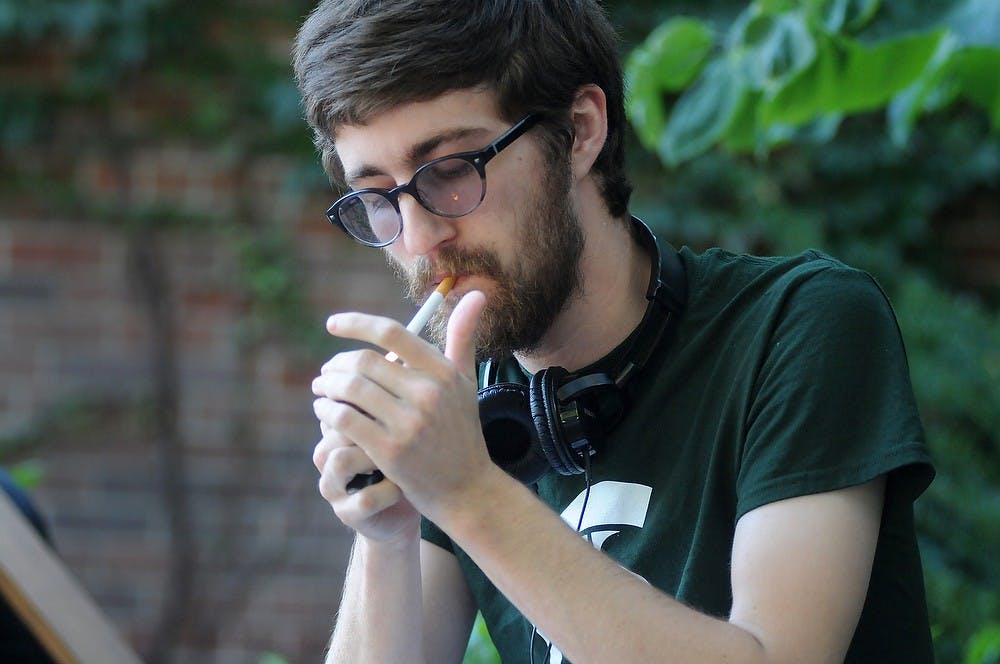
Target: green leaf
921 95
777 6
480 649
775 48
848 77
975 72
976 23
703 113
667 61
741 136
968 73
647 115
27 474
672 56
840 16
271 658
984 647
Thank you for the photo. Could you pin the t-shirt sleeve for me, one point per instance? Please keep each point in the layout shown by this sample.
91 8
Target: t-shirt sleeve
434 535
833 405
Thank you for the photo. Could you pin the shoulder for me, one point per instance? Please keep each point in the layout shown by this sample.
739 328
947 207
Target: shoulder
764 290
717 267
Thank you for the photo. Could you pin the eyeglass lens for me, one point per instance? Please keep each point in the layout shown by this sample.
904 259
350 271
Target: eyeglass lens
450 188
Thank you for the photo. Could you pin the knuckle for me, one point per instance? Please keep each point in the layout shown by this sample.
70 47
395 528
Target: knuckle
365 360
339 415
324 407
407 424
368 501
388 332
326 488
320 454
354 385
333 363
428 399
339 462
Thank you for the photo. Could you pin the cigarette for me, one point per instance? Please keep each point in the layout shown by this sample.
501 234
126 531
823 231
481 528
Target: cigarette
416 325
426 310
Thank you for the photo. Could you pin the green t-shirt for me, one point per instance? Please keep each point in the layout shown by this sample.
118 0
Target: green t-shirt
784 377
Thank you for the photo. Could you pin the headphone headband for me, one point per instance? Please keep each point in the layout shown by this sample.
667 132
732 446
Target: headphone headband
666 299
554 421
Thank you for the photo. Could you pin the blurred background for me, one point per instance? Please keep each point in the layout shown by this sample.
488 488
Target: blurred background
166 269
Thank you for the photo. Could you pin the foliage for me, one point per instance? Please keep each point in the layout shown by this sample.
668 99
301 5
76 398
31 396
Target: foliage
190 72
793 68
480 649
871 130
984 648
103 81
271 658
26 474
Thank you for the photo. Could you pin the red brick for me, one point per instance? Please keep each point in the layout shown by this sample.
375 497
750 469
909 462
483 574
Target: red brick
54 252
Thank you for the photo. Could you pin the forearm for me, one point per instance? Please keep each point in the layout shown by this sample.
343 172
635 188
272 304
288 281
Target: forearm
592 609
380 618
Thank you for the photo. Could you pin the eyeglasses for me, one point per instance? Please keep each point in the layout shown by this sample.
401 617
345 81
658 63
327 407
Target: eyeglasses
451 186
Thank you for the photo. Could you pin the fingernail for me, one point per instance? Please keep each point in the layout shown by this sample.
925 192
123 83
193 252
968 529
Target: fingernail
331 323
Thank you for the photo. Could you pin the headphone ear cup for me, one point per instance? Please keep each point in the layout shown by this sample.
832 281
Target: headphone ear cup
509 431
545 414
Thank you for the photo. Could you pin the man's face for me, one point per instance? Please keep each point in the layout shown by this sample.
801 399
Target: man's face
521 246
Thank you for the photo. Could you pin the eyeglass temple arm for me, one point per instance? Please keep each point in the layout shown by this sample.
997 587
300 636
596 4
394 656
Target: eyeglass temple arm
509 137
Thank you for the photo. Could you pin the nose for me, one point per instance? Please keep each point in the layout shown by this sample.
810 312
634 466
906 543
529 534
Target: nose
423 231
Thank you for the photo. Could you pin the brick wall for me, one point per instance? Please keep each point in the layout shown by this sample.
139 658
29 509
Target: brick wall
77 376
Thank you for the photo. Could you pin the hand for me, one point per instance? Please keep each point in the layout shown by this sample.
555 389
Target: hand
418 422
379 512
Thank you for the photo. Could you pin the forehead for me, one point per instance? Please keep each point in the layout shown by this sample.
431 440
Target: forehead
385 140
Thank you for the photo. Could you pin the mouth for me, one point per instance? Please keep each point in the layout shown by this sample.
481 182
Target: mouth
443 284
438 279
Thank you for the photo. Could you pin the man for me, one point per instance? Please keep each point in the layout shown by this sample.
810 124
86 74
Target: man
748 496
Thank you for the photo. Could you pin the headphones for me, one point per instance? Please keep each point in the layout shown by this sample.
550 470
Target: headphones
555 421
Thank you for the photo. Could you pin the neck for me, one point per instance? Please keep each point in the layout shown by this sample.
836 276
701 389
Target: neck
609 304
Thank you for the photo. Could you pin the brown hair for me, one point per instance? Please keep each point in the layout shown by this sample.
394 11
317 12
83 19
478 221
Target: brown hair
355 59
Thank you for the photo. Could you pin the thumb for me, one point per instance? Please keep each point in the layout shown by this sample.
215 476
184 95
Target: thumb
460 339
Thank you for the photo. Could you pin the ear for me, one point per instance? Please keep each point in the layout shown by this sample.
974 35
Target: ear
589 115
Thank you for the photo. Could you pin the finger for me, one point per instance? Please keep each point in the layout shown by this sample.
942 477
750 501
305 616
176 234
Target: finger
377 330
330 441
348 421
460 340
354 361
373 499
354 506
370 385
343 463
385 333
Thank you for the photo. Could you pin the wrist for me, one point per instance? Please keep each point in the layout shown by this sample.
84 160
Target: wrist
400 542
480 503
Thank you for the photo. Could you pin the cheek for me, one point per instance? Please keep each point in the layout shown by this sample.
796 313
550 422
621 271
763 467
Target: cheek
402 266
396 256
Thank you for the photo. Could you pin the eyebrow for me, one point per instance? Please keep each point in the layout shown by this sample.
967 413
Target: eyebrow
417 154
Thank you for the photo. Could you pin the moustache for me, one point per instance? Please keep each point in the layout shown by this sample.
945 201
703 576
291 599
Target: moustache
451 261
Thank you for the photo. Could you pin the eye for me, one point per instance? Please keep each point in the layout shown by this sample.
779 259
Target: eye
450 169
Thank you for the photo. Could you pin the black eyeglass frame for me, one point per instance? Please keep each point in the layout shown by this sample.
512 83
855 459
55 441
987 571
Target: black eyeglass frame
478 159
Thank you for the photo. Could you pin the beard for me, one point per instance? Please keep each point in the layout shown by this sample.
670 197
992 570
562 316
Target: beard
528 295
